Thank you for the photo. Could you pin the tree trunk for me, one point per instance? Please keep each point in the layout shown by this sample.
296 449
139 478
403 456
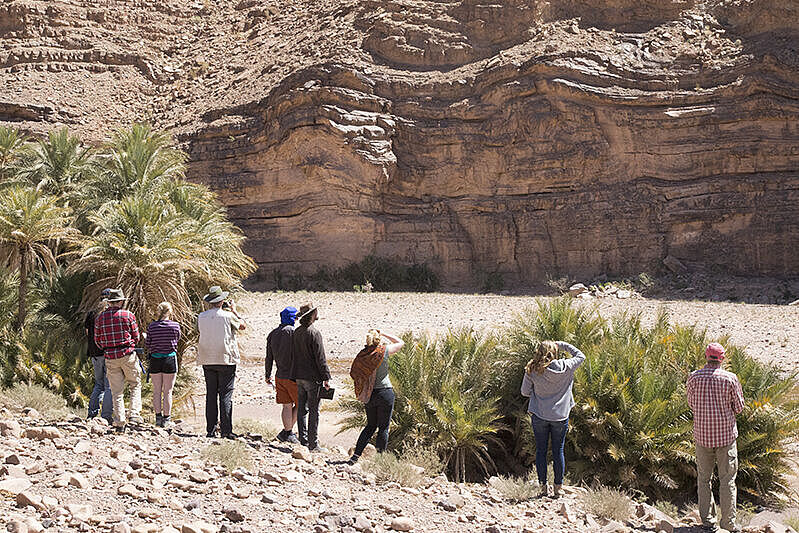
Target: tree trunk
23 289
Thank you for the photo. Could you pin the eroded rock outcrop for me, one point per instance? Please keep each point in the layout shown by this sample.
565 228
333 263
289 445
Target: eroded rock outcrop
509 137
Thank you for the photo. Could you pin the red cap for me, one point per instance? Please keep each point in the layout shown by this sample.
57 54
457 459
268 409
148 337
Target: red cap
714 352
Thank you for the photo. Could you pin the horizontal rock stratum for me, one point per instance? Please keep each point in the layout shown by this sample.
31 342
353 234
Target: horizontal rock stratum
516 137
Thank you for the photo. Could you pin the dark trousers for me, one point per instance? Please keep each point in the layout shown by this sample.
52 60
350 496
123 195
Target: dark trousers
378 417
308 408
219 380
544 431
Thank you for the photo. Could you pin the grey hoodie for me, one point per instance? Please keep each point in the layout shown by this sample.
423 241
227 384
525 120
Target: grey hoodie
550 393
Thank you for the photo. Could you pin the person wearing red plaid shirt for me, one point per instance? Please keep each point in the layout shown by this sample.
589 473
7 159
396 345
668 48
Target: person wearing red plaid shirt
715 396
116 332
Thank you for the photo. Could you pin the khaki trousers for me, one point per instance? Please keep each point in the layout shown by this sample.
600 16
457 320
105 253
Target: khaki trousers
121 371
726 457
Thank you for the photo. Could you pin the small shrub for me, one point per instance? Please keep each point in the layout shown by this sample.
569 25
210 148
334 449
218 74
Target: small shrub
49 404
247 425
387 467
605 502
492 282
560 284
667 508
424 457
792 522
516 489
231 454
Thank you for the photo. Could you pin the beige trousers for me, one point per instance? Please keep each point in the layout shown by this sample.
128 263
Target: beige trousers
726 457
121 371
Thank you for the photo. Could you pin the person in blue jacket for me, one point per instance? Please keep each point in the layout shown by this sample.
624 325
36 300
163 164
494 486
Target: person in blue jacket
548 383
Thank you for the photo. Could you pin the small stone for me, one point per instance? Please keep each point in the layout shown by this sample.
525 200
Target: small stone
447 505
149 512
665 525
197 527
623 294
129 490
299 503
34 526
13 459
566 512
199 476
15 485
79 512
121 527
402 523
234 515
43 433
27 498
303 454
577 289
10 428
79 480
17 526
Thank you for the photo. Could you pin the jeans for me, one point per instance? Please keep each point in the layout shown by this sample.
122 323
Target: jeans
101 393
726 457
308 407
545 431
378 417
219 382
121 371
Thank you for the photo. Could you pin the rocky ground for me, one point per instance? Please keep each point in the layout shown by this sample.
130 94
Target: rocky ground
79 476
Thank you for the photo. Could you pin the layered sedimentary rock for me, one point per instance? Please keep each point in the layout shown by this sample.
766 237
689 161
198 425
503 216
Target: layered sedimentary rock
513 137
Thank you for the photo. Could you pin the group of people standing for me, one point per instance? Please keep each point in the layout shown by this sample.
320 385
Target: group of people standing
113 335
302 378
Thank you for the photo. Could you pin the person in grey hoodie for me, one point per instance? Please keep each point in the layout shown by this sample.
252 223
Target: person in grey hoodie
548 383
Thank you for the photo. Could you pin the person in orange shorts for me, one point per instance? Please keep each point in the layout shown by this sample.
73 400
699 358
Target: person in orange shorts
279 351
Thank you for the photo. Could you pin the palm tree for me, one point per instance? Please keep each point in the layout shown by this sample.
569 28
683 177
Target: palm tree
137 158
12 149
57 165
32 228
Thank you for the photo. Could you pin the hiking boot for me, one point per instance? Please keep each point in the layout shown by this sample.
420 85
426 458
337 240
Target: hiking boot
231 436
292 438
710 528
120 428
159 420
544 490
317 449
353 460
166 421
136 419
283 436
557 490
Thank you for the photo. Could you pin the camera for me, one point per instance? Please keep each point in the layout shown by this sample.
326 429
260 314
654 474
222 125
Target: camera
226 305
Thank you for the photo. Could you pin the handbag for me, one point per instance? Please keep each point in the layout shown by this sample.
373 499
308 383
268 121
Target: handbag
326 394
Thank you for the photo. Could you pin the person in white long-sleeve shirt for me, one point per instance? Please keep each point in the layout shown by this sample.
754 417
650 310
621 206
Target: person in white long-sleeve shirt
548 383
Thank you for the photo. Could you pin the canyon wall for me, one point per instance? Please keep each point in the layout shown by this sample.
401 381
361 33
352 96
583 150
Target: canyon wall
518 137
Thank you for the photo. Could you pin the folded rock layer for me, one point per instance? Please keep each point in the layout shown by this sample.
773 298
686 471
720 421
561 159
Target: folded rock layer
518 138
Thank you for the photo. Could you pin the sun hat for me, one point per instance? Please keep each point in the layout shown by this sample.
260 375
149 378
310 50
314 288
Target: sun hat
288 315
714 352
215 295
306 309
113 295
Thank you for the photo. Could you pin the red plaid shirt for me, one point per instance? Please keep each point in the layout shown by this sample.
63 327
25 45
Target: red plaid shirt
116 332
715 397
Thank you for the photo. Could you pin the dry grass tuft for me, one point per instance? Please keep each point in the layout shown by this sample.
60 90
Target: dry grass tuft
516 489
426 458
231 454
605 502
248 425
388 467
49 404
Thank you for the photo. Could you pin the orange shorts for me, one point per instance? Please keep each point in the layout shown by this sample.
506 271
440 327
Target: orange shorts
286 391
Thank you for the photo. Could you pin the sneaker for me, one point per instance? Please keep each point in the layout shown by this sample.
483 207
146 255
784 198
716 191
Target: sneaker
292 438
211 435
711 528
120 428
283 436
166 422
159 420
317 449
136 419
231 436
353 460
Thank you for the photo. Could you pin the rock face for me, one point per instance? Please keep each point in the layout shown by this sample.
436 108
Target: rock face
518 137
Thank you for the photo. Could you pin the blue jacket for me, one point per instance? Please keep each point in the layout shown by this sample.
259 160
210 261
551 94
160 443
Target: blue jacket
550 393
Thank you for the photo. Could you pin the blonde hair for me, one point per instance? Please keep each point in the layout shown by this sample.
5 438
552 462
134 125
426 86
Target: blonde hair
545 353
164 310
373 338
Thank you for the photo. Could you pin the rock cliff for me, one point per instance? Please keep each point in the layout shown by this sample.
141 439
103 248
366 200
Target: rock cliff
516 137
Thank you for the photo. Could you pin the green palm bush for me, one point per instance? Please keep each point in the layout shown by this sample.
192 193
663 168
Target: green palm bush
13 150
58 165
442 401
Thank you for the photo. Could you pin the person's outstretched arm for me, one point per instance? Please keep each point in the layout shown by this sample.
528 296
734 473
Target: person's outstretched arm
396 343
577 357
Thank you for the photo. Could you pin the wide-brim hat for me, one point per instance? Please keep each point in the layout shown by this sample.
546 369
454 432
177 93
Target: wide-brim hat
215 295
305 310
113 295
